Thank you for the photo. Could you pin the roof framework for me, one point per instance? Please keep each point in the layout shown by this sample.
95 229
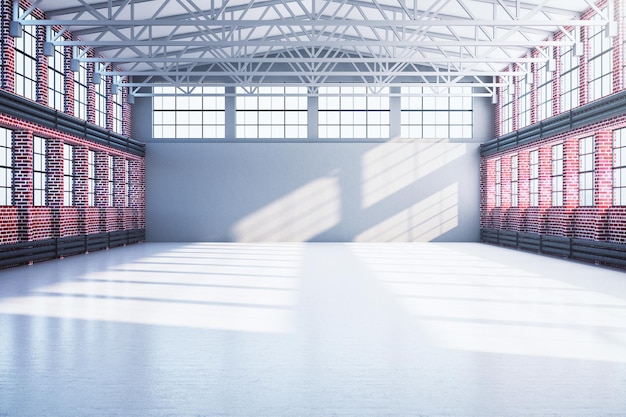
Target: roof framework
310 42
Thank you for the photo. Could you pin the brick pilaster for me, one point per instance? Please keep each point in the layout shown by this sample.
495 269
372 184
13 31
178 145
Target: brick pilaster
23 180
42 67
7 70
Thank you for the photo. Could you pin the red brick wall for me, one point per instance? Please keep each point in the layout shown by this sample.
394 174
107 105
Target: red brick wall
603 221
23 222
600 222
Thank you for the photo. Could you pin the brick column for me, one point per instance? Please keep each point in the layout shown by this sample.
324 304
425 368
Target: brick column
484 215
7 71
515 109
69 81
81 185
584 67
505 187
23 180
42 67
102 188
570 173
126 113
109 99
533 88
570 188
498 109
91 92
119 190
603 181
523 187
138 192
619 72
556 79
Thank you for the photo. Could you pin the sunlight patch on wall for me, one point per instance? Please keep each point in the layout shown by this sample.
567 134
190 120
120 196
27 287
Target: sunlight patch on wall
397 164
296 217
424 221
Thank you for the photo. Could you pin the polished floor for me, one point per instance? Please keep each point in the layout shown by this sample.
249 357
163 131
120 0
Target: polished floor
207 329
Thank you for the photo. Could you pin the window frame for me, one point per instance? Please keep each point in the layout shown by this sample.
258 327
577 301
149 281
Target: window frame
600 58
569 78
442 112
111 182
524 99
586 174
68 175
515 180
80 91
544 89
619 167
557 175
352 111
40 171
533 178
173 111
498 182
271 112
91 178
25 59
56 77
6 166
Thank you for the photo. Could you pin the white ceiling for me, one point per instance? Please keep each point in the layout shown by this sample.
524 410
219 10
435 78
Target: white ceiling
311 41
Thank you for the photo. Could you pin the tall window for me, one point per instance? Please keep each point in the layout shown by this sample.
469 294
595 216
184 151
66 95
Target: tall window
117 109
570 75
111 190
199 114
600 61
619 167
544 89
68 175
6 166
353 112
40 172
80 91
525 85
534 178
508 97
275 112
26 60
557 175
56 78
100 105
514 181
431 112
498 182
585 171
91 178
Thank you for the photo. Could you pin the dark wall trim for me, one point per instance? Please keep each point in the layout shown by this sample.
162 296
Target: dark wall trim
594 112
27 110
39 250
605 253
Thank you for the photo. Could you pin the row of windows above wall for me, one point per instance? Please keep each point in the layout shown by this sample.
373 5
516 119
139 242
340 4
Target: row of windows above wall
561 77
26 80
282 112
586 174
41 174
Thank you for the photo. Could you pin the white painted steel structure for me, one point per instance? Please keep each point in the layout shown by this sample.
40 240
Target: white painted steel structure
310 42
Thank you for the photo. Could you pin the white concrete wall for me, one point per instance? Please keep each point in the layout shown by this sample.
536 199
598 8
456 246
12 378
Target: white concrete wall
394 191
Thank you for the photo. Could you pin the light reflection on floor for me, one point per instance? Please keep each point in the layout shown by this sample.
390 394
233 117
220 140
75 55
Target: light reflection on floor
207 329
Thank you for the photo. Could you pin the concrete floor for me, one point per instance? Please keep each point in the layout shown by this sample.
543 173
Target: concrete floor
426 329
